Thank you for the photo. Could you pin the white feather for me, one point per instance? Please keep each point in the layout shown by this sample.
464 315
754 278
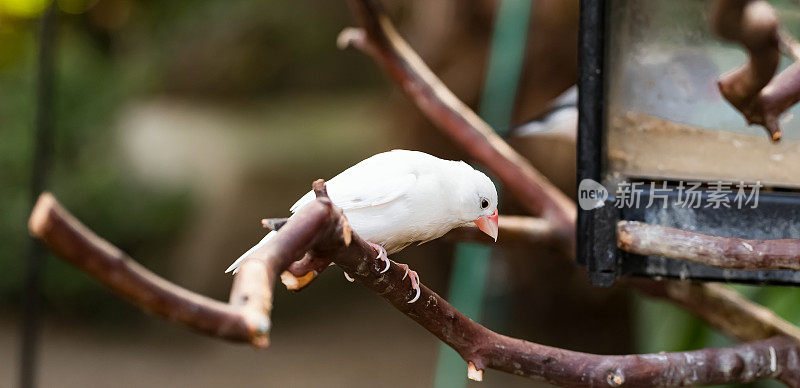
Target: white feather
399 197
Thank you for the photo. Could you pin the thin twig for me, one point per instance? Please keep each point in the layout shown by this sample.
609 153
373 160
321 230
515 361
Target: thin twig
724 252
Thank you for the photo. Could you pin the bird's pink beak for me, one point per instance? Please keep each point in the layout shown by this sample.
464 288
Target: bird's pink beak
488 224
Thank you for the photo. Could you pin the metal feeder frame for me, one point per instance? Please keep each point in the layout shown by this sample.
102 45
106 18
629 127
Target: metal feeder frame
596 230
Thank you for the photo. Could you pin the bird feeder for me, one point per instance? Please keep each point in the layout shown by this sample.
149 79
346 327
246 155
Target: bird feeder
654 126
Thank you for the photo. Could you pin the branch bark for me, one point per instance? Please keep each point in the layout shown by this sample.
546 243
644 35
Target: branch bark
722 307
244 319
380 40
723 252
751 88
322 229
79 246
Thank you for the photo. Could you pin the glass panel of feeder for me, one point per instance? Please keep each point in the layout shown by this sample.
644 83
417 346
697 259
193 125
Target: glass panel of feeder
665 117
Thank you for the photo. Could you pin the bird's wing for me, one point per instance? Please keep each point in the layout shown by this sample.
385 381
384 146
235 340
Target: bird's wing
373 192
365 185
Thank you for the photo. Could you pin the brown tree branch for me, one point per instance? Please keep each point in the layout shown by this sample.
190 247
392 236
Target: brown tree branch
722 307
323 229
244 319
380 40
77 245
751 88
724 252
300 273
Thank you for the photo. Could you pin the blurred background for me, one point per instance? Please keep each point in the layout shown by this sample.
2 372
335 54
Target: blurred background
179 125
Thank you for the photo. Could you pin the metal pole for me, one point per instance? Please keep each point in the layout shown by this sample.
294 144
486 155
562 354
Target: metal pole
42 160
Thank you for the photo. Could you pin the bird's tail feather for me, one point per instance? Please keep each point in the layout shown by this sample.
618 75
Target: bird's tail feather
235 266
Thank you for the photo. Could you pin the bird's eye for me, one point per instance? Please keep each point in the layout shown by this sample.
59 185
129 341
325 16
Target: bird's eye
484 203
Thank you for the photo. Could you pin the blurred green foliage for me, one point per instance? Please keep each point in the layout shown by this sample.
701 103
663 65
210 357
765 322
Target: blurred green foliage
87 176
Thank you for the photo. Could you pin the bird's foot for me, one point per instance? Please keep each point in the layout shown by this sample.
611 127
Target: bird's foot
412 275
382 255
349 279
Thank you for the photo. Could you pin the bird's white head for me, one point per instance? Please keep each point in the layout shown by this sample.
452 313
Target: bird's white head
478 202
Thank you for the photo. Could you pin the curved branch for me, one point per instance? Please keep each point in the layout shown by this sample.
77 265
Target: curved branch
380 40
751 88
79 246
724 252
244 319
323 230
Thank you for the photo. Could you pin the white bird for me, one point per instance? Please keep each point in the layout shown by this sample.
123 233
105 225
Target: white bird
397 198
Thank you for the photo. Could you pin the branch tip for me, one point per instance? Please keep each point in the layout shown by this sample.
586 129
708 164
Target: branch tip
474 373
350 36
296 283
38 222
776 136
319 188
260 341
